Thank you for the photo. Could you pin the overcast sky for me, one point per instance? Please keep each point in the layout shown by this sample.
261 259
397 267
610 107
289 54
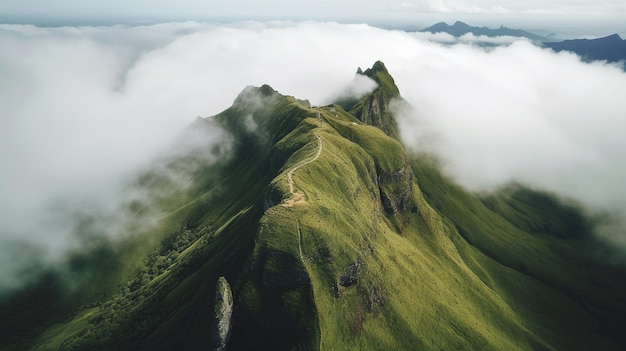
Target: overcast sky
560 15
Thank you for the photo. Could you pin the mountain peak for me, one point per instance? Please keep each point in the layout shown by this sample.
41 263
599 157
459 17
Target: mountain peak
253 95
378 66
459 29
373 109
263 90
459 24
379 73
614 37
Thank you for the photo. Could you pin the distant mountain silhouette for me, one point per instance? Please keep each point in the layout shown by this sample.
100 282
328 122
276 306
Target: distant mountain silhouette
460 28
611 48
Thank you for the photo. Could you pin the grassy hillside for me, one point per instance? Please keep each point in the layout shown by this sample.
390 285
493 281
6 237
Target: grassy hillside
332 237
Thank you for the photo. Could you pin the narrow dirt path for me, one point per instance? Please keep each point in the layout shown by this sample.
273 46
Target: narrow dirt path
298 196
300 242
296 167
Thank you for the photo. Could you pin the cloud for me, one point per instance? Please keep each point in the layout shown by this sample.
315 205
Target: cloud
75 130
357 88
468 38
85 108
439 37
520 113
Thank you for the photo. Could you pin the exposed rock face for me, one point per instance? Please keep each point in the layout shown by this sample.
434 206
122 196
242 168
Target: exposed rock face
395 183
396 189
349 276
220 331
373 109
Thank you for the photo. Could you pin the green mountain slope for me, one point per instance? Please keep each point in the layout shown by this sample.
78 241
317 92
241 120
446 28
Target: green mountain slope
374 109
330 236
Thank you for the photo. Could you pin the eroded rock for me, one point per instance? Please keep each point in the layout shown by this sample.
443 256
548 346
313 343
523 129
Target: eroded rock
350 273
220 331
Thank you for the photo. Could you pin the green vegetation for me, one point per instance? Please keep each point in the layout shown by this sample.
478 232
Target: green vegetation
380 251
374 109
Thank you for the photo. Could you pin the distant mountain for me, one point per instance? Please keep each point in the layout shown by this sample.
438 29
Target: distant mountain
459 29
611 48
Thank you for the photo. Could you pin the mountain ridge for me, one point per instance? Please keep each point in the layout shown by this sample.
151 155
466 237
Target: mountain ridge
330 235
459 29
611 48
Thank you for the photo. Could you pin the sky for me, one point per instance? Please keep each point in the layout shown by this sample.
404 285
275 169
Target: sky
563 16
85 108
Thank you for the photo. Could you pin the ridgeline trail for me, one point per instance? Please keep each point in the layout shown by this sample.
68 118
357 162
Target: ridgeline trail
298 196
300 242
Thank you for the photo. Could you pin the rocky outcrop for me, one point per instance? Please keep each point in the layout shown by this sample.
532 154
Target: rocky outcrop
350 273
374 109
220 330
395 178
396 190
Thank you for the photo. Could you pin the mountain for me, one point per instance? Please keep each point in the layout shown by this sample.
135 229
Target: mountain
611 48
373 109
316 229
459 29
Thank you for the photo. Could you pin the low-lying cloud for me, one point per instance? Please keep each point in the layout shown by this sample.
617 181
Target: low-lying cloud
468 38
83 109
520 113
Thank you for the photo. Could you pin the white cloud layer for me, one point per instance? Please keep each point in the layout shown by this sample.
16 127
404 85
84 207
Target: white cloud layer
468 38
85 108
